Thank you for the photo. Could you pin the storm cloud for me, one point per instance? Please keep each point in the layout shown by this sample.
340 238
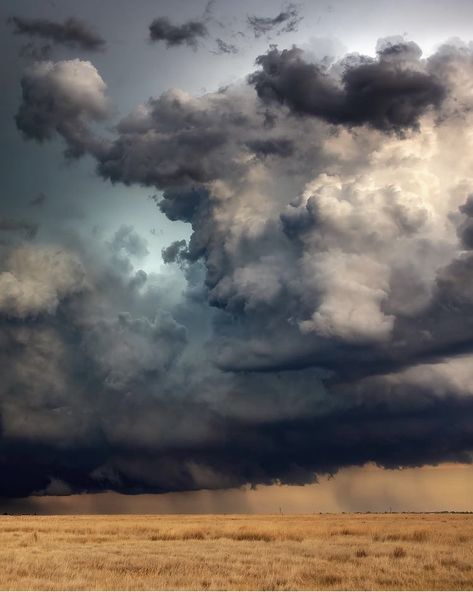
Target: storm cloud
326 316
389 93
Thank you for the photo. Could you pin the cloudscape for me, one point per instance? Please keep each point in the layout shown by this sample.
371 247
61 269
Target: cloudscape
236 247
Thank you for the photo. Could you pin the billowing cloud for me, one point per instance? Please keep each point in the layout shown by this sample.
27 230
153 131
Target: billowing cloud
129 349
389 93
72 32
62 98
189 33
174 251
34 281
128 240
325 321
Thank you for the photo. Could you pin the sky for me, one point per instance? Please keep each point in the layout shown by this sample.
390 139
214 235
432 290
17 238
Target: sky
236 256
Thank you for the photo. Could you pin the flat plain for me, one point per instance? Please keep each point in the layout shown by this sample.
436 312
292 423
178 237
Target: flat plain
321 551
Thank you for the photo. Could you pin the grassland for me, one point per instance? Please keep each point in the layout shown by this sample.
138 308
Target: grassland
390 551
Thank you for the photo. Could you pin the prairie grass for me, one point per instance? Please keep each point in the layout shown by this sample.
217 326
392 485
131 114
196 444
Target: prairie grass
330 551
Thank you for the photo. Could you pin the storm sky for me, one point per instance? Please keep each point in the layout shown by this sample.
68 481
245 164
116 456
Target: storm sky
236 252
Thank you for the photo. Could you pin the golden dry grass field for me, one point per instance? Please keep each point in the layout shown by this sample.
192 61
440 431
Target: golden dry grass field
330 551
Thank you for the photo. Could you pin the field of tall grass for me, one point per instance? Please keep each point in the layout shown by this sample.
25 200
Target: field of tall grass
330 551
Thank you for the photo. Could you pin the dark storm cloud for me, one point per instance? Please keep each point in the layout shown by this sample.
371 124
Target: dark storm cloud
189 33
131 438
183 204
172 253
377 93
286 21
326 316
172 141
131 350
111 404
72 32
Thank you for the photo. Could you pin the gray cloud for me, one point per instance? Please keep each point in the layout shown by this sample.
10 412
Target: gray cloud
35 280
286 21
172 140
127 240
173 252
380 93
225 48
189 33
62 98
72 32
128 350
